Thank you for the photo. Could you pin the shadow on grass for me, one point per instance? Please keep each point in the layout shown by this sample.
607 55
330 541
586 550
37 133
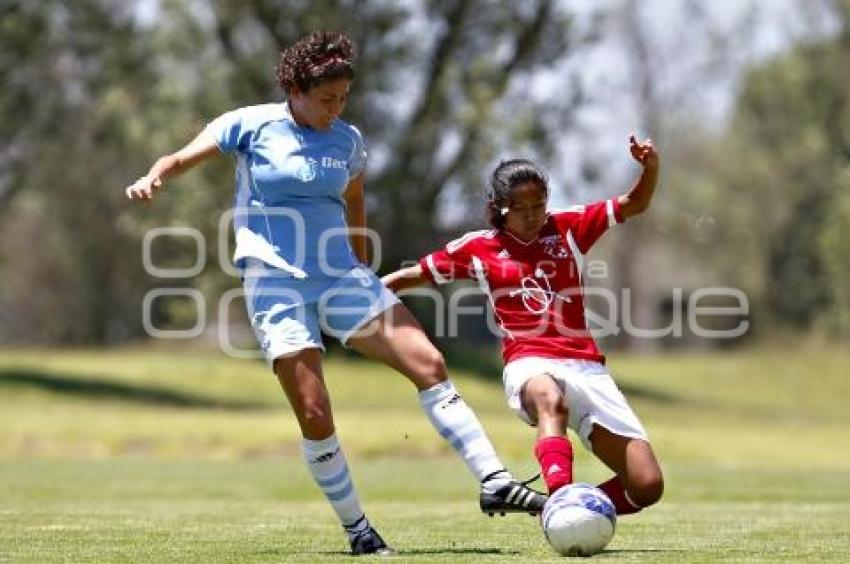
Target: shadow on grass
500 551
616 553
96 388
436 551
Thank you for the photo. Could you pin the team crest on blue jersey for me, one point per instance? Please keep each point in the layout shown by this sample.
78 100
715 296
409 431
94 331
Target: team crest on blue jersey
307 171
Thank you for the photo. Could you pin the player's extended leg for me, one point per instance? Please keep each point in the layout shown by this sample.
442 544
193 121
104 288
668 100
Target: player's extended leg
546 405
396 338
301 377
638 482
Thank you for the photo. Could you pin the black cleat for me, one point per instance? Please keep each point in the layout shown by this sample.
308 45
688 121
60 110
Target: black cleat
513 497
370 542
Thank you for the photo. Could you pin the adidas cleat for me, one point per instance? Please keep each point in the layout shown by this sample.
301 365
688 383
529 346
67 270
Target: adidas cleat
513 497
370 542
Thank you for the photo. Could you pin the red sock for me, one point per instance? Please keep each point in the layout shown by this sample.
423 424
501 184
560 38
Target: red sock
614 489
555 455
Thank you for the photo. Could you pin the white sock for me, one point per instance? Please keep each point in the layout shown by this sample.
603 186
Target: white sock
456 422
327 464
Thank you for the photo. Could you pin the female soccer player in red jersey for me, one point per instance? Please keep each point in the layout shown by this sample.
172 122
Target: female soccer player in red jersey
530 267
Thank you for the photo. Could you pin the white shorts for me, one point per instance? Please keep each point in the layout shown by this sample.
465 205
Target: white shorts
592 396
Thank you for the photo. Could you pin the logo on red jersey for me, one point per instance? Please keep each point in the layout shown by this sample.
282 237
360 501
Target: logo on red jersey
553 246
537 296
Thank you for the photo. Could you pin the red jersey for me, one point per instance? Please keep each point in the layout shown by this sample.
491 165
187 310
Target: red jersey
535 288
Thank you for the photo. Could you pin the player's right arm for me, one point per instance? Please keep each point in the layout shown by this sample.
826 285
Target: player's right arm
440 267
199 149
404 278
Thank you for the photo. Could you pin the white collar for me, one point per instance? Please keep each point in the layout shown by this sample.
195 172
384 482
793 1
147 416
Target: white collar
520 241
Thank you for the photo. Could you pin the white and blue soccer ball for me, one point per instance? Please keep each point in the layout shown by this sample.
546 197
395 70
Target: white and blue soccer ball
579 520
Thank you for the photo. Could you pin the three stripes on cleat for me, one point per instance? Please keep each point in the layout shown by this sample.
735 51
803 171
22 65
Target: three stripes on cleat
517 495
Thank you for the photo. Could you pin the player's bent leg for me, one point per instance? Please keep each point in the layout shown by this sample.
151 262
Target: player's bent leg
543 400
546 405
639 481
396 338
301 377
645 481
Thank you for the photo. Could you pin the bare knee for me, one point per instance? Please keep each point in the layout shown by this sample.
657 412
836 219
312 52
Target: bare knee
315 411
550 403
315 418
646 487
545 400
429 368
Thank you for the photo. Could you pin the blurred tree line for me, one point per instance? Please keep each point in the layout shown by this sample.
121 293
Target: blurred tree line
95 90
772 191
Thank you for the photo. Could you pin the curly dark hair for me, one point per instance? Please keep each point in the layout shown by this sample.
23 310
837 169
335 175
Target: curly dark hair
314 59
507 176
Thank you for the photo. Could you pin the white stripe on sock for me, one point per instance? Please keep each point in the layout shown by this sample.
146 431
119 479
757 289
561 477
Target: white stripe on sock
326 463
628 499
456 422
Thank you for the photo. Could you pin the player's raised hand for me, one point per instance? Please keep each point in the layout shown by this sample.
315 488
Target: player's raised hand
644 153
144 188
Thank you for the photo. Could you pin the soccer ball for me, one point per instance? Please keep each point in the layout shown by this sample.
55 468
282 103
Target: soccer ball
578 520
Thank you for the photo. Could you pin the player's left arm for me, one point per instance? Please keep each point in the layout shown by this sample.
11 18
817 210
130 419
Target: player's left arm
637 199
355 216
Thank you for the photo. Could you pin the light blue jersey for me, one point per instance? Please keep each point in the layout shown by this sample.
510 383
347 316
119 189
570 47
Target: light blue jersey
288 207
299 272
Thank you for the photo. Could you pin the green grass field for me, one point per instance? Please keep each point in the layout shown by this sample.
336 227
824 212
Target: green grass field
156 455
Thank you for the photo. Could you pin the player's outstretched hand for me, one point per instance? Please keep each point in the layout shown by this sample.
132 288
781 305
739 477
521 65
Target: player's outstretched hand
644 153
144 188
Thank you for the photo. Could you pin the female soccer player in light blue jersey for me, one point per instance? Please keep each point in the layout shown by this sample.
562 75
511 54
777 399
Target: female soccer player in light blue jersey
299 191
